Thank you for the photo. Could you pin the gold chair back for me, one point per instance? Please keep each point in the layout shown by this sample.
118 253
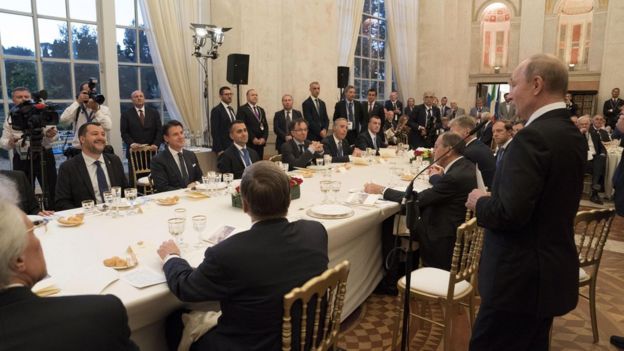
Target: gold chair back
140 159
327 289
466 255
276 158
593 227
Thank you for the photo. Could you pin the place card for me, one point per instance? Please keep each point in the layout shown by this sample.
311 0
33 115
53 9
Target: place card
143 277
221 233
370 200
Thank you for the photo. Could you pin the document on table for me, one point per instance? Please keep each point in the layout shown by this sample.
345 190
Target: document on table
143 277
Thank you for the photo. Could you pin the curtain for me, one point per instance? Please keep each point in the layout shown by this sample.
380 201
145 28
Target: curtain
167 27
350 18
402 16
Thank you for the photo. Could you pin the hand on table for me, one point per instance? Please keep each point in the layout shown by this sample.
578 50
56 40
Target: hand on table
372 188
45 213
168 248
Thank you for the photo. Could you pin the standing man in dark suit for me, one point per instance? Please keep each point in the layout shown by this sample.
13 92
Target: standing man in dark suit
596 157
175 168
256 121
221 117
371 137
241 271
282 119
486 133
298 151
68 323
371 107
611 108
237 156
89 174
442 207
571 106
350 109
445 110
336 144
476 151
395 105
478 109
315 113
424 122
529 269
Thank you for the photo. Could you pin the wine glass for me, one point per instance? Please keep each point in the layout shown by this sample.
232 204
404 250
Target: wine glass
131 196
176 228
325 188
87 206
335 187
199 224
116 190
180 213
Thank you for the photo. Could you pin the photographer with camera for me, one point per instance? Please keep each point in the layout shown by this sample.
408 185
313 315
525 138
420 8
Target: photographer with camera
86 109
17 138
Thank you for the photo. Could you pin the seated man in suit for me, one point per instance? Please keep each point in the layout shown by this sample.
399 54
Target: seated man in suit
249 273
599 127
282 119
441 206
372 138
89 174
476 151
299 151
175 168
29 322
336 144
596 157
237 156
27 200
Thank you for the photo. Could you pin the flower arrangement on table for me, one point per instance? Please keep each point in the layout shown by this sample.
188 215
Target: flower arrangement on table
295 191
425 153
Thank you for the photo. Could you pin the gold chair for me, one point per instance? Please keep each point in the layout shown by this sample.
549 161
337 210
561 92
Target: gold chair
276 158
449 289
327 289
593 227
140 160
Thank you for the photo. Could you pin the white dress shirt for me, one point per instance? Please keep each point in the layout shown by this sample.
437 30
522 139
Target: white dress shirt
542 110
176 158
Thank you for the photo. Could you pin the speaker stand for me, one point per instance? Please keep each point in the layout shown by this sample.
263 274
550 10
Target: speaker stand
237 96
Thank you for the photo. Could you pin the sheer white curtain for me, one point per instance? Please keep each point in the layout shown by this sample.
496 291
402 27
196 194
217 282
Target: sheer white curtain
169 37
402 16
350 18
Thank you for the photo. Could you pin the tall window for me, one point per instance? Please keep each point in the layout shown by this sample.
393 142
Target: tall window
574 39
47 44
370 52
495 26
136 69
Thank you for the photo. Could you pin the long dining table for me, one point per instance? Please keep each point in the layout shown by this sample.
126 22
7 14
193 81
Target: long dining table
75 255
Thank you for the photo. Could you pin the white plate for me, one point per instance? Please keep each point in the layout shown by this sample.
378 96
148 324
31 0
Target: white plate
212 186
331 210
318 168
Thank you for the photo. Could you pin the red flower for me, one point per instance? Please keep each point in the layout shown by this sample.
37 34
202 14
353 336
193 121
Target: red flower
418 152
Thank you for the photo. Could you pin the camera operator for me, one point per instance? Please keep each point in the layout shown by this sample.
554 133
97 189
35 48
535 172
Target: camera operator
85 109
12 139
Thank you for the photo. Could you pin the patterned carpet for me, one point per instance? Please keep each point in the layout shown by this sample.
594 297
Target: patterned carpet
371 326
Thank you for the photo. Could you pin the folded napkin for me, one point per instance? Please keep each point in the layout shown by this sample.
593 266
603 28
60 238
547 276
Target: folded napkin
196 324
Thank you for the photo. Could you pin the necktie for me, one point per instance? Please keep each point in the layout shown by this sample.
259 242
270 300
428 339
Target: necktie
141 117
499 156
340 153
185 177
231 113
101 179
246 157
316 105
350 112
370 108
375 142
301 149
287 116
429 119
255 111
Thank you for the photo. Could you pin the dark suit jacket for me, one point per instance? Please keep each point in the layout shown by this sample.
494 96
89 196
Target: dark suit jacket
293 156
596 139
486 134
74 185
340 110
317 121
166 174
254 128
408 111
251 294
364 140
68 323
618 185
133 132
444 110
230 161
442 209
220 128
612 116
280 126
482 156
602 134
529 262
399 105
28 201
572 109
378 110
330 148
419 118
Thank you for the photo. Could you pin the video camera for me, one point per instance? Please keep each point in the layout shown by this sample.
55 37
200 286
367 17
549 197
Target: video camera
93 95
33 115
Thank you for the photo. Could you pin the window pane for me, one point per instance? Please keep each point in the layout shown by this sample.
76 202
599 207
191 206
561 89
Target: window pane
140 15
128 80
126 45
154 105
21 74
84 71
16 33
365 68
367 6
125 106
53 38
84 37
51 8
57 80
149 83
82 10
166 117
14 5
124 13
365 47
146 57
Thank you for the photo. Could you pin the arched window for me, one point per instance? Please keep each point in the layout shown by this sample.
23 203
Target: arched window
574 30
495 26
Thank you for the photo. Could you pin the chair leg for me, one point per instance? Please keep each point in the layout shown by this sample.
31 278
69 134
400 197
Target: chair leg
448 326
396 334
592 309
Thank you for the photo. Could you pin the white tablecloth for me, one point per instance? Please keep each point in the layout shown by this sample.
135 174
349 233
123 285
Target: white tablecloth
613 159
74 255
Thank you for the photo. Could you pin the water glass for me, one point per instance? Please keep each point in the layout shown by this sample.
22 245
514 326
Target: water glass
180 213
176 229
319 161
131 196
217 177
116 190
205 179
108 202
87 206
326 186
199 224
228 178
335 187
327 159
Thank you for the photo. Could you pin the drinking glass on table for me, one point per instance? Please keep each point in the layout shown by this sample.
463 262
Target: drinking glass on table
327 159
116 190
87 206
205 179
199 224
228 178
176 229
108 202
180 213
335 187
319 161
131 196
325 188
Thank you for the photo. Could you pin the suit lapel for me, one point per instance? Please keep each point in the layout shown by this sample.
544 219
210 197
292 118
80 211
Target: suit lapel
173 165
84 175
